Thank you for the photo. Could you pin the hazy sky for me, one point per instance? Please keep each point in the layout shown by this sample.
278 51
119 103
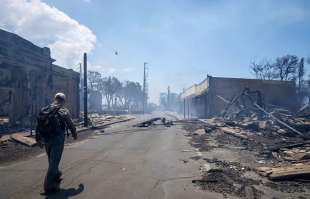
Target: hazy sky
182 40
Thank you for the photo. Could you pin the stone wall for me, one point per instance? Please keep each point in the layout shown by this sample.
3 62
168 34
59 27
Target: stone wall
28 80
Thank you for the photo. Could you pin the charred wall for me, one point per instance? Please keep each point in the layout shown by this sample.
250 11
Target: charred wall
199 105
67 81
279 93
28 79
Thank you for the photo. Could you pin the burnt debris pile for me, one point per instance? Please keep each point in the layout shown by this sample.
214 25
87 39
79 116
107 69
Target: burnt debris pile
248 111
252 149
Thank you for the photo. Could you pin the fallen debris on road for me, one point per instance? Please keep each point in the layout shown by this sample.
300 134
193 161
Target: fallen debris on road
270 141
148 123
24 140
153 121
227 178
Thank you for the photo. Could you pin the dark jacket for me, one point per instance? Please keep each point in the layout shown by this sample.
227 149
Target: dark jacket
65 120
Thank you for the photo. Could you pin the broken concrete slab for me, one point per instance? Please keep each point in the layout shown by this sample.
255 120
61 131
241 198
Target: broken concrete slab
4 139
294 171
290 146
199 132
24 140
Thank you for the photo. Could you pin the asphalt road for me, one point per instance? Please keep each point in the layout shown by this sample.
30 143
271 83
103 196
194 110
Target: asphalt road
123 162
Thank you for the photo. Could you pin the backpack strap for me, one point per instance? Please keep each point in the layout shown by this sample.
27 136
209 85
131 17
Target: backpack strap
54 110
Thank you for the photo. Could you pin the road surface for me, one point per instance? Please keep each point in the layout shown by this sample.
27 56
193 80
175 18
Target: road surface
123 162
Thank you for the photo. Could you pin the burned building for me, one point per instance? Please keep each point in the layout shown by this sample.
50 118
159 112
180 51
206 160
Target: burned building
207 98
29 79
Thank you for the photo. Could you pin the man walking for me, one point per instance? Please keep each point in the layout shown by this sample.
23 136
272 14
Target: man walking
53 121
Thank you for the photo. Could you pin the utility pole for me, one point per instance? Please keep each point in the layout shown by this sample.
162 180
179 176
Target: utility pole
81 77
85 91
168 99
81 88
188 104
144 88
184 109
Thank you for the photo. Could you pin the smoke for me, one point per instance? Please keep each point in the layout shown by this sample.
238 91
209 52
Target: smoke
47 26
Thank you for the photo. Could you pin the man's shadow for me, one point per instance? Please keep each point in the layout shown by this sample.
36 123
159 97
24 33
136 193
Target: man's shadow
66 193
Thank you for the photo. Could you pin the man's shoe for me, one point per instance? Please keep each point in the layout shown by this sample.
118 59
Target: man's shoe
58 180
58 177
59 174
51 191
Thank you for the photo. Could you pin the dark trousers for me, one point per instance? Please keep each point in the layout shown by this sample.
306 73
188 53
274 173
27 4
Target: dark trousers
54 148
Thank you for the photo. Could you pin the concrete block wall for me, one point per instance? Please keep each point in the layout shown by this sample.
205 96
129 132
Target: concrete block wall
279 93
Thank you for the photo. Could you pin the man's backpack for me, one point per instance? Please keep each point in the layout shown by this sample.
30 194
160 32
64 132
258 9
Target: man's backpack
48 122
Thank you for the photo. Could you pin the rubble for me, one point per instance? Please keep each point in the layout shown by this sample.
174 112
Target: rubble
153 121
263 137
148 123
227 178
4 140
277 140
285 158
237 132
304 112
294 171
98 121
24 140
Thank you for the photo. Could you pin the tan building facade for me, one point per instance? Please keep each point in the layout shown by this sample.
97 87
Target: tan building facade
204 99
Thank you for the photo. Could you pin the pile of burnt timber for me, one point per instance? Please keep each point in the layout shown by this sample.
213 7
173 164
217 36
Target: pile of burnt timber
273 132
98 121
300 170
